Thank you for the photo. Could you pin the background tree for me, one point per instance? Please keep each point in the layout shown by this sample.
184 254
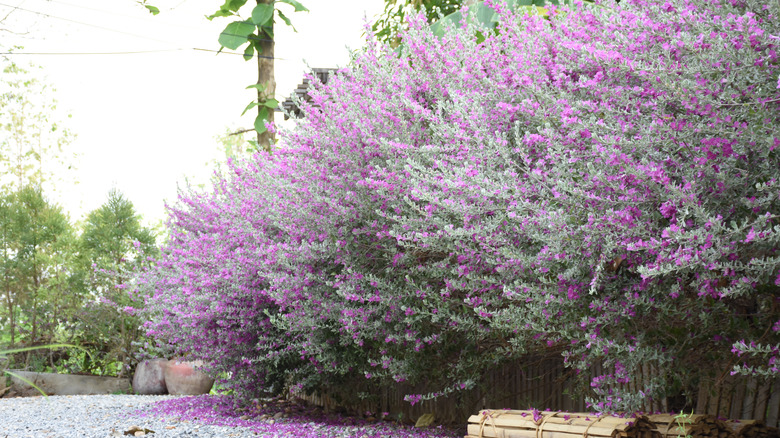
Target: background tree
31 227
32 139
7 283
36 261
114 243
391 22
438 12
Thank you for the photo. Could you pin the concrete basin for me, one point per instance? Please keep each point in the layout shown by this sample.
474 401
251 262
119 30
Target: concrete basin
68 384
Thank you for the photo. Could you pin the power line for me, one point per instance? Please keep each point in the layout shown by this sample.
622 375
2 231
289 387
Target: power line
93 53
249 37
84 24
103 11
236 53
12 11
135 52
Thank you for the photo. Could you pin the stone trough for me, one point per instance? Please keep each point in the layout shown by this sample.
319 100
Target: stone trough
68 384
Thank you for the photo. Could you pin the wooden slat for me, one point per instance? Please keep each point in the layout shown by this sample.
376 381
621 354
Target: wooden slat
703 398
722 402
749 399
738 395
773 407
762 398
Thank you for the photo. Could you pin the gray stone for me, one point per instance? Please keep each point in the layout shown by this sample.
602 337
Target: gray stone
67 384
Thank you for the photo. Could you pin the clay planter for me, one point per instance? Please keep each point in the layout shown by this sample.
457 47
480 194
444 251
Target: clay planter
149 377
182 378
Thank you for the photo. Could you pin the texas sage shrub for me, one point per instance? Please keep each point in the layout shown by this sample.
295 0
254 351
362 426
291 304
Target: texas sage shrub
600 183
614 191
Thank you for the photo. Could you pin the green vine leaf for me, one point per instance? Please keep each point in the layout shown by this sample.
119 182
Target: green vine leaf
249 52
251 105
233 5
258 87
153 9
297 5
219 13
228 9
262 14
236 34
285 19
262 116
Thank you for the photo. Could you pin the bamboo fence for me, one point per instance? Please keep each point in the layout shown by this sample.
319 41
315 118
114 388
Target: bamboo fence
545 383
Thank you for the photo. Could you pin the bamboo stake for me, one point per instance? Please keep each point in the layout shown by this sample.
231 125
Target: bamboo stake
550 424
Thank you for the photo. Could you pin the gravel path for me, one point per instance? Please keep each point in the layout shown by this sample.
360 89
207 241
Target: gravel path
96 416
102 416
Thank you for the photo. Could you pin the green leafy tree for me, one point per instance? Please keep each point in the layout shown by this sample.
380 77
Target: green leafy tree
392 20
32 138
30 228
114 236
8 278
440 13
114 243
36 260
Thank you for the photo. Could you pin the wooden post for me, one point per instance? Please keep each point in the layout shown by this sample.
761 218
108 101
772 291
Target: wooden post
265 75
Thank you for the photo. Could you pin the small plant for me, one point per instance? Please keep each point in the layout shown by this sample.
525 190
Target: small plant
682 419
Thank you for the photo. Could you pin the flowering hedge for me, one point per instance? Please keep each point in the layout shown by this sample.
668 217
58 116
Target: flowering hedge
600 183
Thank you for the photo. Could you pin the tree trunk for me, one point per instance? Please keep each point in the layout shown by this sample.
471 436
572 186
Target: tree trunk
123 353
34 293
10 302
265 75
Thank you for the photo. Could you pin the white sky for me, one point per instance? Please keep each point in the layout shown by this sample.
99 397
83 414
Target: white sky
146 121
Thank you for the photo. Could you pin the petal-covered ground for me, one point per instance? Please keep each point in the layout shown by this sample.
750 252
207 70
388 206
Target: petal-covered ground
283 418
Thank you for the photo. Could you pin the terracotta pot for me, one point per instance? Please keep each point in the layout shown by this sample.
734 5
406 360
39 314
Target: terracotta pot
149 377
182 378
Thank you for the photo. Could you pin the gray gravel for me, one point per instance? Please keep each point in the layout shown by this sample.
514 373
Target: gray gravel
98 416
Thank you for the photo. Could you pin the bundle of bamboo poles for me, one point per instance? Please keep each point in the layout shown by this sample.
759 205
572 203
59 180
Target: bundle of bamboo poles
752 429
696 426
549 424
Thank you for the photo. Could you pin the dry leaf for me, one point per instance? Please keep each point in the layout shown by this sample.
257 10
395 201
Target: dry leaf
137 431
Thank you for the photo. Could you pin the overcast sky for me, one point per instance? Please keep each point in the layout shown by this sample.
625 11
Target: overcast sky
146 121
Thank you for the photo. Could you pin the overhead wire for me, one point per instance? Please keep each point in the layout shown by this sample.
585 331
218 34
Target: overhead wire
83 23
249 37
137 52
103 11
130 52
12 11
